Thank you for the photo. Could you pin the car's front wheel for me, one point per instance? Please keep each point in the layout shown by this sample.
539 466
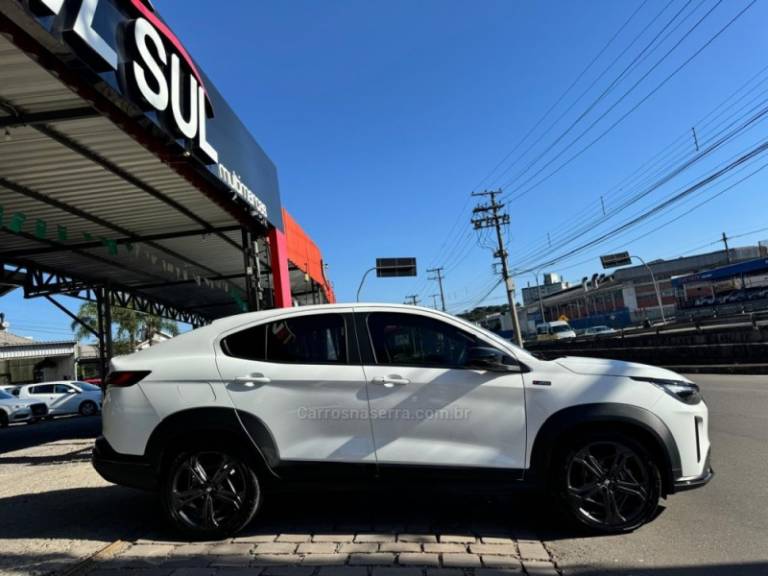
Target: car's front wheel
210 493
609 483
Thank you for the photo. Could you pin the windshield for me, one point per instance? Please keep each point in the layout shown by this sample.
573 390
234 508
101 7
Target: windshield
561 328
4 395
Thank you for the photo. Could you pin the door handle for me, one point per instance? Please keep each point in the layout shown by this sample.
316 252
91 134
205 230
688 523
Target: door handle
390 381
250 380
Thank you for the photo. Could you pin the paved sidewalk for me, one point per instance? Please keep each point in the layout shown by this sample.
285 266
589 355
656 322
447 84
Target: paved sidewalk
334 554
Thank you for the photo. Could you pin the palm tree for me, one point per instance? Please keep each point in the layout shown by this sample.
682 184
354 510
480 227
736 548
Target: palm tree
129 326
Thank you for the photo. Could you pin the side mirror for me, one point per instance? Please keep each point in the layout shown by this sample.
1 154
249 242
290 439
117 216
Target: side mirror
486 358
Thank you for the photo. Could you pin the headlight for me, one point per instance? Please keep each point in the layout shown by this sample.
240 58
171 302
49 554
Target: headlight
686 392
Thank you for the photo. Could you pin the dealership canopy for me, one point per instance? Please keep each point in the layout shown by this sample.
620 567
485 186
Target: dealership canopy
124 172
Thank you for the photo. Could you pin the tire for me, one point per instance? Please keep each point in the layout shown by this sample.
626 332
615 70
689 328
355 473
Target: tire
608 483
210 509
88 408
3 419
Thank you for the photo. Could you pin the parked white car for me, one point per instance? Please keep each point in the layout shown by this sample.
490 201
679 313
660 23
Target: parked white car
14 409
63 397
555 330
378 393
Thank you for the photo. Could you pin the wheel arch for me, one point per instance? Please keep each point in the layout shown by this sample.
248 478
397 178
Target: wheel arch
205 423
635 421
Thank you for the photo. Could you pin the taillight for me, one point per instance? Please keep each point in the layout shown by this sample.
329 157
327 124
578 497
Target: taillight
125 378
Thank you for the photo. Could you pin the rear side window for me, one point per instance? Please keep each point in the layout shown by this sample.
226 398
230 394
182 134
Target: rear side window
318 339
44 389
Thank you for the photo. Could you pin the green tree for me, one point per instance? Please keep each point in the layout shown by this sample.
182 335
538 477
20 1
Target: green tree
129 327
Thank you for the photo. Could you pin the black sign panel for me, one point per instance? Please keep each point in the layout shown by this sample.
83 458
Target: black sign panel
615 260
390 267
127 45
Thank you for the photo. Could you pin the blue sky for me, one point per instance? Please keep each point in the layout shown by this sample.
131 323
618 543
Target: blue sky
382 117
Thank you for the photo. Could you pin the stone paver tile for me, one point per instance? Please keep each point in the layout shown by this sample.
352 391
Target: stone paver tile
317 548
457 539
359 547
254 538
539 568
273 559
418 559
325 560
461 560
276 570
497 571
231 560
343 571
506 549
375 538
372 559
193 549
492 561
333 538
399 547
397 571
497 540
533 550
447 547
231 548
275 548
294 538
420 538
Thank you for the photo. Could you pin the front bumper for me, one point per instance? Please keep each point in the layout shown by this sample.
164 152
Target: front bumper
683 484
132 471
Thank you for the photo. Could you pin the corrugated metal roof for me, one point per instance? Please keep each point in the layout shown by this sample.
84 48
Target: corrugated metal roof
49 182
37 350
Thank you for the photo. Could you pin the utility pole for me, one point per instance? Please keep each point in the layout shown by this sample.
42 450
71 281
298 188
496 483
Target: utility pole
412 299
439 277
727 252
434 300
490 216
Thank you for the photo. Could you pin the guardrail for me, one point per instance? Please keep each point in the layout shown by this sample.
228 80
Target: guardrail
722 341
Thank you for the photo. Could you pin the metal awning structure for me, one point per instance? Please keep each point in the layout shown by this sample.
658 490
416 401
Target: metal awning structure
91 203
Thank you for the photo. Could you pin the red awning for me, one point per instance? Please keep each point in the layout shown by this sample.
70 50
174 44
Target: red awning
305 255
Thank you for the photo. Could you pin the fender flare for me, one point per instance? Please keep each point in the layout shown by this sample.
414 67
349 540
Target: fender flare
568 420
196 422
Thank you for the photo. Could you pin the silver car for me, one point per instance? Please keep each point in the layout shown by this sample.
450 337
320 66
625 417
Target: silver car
14 409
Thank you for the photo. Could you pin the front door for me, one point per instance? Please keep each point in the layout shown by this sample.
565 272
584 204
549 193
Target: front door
427 407
301 376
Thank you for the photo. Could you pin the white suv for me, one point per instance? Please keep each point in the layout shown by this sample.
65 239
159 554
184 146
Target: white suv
379 393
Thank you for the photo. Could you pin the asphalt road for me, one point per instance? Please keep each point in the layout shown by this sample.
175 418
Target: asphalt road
721 529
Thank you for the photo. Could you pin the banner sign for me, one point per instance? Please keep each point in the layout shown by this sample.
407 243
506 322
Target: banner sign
129 46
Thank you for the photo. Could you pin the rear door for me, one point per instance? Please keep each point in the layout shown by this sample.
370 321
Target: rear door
44 393
300 374
427 407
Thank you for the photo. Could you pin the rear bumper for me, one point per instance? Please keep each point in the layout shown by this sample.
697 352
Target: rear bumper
132 471
683 484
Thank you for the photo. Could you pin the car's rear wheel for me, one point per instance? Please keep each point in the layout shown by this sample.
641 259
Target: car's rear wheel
609 483
210 493
88 408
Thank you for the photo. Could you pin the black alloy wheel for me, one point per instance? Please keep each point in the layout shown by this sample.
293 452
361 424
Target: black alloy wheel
211 493
610 485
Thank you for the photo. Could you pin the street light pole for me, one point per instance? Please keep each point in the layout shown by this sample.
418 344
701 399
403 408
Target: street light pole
655 287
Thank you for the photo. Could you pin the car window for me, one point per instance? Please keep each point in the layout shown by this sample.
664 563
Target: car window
319 339
43 389
88 387
63 389
5 396
248 344
412 340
